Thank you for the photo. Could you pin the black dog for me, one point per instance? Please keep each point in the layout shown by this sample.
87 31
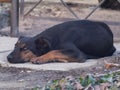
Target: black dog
73 41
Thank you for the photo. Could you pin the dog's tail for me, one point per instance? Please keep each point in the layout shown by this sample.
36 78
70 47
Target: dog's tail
111 51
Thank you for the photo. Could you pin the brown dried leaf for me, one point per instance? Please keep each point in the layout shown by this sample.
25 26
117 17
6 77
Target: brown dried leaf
110 65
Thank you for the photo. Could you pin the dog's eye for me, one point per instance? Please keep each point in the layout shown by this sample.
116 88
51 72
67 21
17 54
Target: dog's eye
25 48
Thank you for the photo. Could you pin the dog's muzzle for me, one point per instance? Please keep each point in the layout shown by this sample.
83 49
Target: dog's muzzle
10 58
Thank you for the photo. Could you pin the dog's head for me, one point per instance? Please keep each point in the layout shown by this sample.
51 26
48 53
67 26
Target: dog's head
23 51
27 48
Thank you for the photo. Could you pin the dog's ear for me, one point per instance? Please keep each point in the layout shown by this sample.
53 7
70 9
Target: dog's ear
42 42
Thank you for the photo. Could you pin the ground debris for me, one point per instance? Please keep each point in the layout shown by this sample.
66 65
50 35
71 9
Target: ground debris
109 81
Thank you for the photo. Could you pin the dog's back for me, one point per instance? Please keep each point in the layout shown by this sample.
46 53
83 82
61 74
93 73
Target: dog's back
89 36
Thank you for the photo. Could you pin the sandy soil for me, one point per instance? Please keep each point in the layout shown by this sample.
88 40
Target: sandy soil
44 16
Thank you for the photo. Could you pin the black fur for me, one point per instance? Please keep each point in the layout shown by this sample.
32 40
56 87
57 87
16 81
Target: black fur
82 39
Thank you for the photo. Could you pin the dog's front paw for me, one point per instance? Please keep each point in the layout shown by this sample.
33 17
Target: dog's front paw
37 60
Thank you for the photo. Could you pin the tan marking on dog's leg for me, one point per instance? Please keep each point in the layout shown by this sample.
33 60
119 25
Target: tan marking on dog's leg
51 56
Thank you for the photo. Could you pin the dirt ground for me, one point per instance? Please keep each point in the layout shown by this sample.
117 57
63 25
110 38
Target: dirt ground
44 16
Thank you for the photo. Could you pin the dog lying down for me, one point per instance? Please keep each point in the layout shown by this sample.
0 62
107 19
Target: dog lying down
72 41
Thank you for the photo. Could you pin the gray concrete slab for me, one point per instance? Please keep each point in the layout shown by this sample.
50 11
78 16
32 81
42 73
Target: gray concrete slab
7 46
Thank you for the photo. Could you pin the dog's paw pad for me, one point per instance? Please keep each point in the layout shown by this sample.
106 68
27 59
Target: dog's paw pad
36 62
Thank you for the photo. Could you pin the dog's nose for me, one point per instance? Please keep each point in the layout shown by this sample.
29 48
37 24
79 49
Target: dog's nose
9 57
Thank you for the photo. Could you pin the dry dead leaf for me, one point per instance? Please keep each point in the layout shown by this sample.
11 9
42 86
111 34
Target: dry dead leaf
110 65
